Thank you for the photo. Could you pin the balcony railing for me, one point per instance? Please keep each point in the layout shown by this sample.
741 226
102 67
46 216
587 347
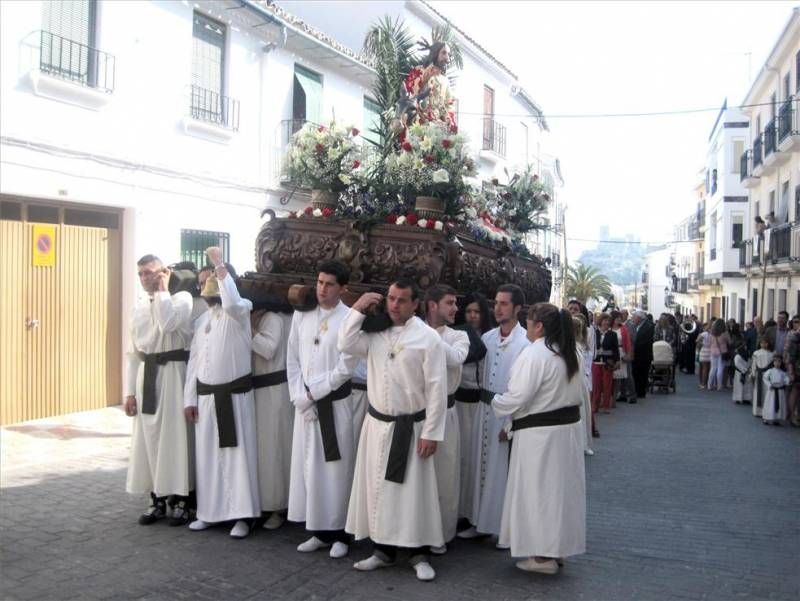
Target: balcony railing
694 280
712 254
494 136
744 248
780 243
76 62
745 165
213 107
757 146
769 138
786 120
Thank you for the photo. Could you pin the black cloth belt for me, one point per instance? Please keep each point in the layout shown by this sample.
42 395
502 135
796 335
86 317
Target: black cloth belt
327 425
742 376
271 379
401 441
468 395
451 400
360 386
777 399
151 362
759 390
487 396
556 417
223 404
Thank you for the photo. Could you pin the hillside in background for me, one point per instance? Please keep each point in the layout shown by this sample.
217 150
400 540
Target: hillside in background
619 259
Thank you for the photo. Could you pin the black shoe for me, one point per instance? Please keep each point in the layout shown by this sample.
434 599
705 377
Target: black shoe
632 401
180 514
595 434
156 511
621 399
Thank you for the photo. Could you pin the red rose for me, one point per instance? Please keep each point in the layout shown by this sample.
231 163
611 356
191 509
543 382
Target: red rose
454 129
406 146
293 215
355 132
430 224
429 159
319 148
356 164
327 212
446 143
411 219
391 218
321 129
308 211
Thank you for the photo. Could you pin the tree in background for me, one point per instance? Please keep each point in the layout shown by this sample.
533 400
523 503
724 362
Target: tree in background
584 282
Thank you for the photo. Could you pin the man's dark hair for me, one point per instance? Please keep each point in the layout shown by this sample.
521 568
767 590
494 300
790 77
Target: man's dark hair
147 259
337 269
517 295
436 293
433 55
405 284
786 313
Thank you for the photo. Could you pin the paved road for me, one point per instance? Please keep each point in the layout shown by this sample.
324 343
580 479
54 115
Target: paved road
689 498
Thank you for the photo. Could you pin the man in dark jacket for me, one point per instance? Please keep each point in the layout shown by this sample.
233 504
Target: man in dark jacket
642 353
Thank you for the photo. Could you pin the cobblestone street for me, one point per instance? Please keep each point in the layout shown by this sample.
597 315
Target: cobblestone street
689 497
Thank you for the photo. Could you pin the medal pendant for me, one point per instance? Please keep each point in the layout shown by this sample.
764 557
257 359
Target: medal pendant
391 355
316 340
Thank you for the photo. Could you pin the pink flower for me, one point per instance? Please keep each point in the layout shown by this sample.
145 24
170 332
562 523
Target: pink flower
327 212
293 215
308 211
356 164
355 132
412 219
454 129
406 146
431 224
391 218
321 129
429 159
446 143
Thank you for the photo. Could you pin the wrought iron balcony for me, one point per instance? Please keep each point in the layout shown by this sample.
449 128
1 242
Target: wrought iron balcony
745 165
76 62
780 243
757 148
769 138
213 107
712 254
494 136
744 248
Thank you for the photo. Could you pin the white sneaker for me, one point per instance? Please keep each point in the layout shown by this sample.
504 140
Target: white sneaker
439 550
199 525
470 532
312 544
240 529
544 567
339 550
274 521
588 452
424 571
373 562
502 547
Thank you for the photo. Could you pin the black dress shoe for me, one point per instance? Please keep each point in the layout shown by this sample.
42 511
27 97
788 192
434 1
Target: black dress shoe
156 511
632 401
621 399
595 434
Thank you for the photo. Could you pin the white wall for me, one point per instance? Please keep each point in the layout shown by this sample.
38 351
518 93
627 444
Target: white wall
657 261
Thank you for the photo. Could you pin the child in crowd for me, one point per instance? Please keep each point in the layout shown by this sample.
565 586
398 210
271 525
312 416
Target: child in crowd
777 381
762 361
742 382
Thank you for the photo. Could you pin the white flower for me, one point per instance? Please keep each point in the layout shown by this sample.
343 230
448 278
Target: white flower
438 225
418 164
346 179
426 144
440 176
423 223
317 212
401 220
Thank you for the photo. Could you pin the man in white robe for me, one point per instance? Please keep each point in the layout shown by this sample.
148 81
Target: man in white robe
162 447
544 512
395 500
440 313
274 413
323 444
218 399
503 344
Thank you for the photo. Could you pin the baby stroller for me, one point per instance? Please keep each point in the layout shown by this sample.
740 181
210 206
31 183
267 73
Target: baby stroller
662 371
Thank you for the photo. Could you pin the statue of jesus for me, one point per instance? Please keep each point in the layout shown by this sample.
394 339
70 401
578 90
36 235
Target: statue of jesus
425 93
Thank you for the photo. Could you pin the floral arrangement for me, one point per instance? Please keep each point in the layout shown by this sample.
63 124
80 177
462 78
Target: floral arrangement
432 161
516 206
324 158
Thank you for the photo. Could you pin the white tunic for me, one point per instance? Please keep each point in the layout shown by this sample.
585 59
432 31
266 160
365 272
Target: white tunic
742 391
491 454
274 412
467 418
776 381
544 513
447 459
402 514
762 360
320 489
360 400
227 478
162 444
586 397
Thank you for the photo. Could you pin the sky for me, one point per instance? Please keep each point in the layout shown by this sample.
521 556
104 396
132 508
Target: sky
635 174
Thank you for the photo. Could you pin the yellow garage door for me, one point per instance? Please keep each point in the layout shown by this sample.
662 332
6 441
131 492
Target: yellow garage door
59 349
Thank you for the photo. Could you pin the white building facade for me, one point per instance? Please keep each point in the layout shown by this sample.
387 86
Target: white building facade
770 170
656 295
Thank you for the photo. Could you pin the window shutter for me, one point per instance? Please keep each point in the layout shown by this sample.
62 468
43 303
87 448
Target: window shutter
72 25
311 85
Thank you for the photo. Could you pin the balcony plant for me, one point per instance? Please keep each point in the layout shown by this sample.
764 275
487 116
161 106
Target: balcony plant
324 158
432 167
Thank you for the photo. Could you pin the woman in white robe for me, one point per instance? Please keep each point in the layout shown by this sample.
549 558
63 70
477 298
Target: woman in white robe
544 514
581 334
742 382
274 413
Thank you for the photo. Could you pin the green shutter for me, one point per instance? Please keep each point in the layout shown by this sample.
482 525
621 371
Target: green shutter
312 86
